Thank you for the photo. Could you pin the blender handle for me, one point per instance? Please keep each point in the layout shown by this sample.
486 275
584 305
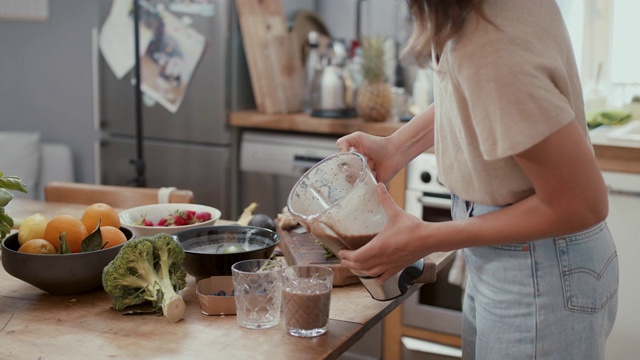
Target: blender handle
428 274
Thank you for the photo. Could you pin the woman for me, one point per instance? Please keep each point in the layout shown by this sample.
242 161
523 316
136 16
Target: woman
529 202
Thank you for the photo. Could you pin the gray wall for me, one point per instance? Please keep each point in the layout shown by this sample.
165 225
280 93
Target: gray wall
46 82
385 18
45 78
45 67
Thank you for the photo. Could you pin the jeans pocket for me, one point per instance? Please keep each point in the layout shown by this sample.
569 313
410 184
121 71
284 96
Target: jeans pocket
589 268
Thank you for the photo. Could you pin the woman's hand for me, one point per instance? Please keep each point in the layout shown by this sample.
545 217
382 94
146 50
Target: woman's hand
388 155
397 246
381 157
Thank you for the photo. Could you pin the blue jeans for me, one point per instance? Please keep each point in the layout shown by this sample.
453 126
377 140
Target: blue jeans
553 298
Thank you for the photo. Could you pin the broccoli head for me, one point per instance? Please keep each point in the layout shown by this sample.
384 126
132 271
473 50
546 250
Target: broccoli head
148 269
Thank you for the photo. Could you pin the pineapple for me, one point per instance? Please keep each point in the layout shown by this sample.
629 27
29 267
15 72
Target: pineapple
374 100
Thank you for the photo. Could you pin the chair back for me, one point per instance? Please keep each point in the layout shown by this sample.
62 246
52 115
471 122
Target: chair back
122 197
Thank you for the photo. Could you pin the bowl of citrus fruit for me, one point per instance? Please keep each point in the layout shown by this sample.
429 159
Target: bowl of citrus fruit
65 254
169 218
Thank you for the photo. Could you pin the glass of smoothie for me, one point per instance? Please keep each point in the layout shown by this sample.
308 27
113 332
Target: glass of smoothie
306 298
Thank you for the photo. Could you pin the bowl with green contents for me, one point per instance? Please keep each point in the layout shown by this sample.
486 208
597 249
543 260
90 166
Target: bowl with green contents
211 250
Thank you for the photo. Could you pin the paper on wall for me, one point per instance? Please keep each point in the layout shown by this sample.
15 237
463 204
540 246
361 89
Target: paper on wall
116 39
197 7
169 50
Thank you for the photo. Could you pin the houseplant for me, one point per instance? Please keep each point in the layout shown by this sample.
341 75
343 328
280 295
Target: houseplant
8 184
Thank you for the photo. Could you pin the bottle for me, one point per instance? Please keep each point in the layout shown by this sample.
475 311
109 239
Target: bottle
313 61
421 91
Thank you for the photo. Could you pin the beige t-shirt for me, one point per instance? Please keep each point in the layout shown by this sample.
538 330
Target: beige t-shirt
499 91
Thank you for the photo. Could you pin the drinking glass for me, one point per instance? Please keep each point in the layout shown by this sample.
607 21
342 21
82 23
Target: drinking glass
306 297
257 288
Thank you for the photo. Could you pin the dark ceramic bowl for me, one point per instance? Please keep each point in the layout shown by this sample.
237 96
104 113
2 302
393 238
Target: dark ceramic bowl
204 246
59 274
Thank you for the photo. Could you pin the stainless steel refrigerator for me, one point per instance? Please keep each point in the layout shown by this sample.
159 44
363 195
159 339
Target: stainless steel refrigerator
190 148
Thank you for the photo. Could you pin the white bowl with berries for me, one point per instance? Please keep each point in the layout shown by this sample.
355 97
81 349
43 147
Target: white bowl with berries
149 220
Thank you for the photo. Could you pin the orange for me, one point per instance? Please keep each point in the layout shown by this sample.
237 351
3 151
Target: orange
111 236
100 212
37 246
71 226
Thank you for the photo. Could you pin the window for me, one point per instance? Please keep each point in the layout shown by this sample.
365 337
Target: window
603 33
625 58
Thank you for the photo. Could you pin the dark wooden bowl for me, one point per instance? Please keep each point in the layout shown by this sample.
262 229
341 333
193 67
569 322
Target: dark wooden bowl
200 246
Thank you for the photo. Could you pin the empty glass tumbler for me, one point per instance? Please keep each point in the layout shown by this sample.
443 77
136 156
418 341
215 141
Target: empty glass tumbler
257 292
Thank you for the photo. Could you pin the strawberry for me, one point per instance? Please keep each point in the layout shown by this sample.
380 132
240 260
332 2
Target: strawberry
143 221
163 222
188 215
203 216
178 220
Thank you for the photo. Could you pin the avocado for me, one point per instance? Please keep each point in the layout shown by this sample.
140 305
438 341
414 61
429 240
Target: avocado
263 221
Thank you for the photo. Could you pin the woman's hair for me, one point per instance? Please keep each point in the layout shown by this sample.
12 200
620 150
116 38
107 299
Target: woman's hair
435 23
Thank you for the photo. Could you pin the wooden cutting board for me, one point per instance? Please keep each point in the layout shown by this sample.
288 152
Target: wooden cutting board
275 67
302 249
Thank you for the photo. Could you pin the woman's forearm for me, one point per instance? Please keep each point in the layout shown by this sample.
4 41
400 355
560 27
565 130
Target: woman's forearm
416 136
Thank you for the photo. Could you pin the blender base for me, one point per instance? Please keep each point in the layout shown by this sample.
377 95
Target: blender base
396 286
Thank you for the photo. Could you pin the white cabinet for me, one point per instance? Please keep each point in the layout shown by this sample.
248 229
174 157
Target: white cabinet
624 223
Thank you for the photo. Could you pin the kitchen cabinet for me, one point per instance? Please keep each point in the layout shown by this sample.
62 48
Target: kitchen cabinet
624 208
619 159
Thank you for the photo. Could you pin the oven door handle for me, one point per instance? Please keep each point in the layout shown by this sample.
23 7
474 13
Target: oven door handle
439 203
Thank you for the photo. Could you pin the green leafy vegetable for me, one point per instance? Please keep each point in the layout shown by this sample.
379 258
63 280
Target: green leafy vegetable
607 117
8 184
271 264
327 252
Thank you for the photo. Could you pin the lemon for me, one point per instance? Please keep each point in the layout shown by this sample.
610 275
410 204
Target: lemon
32 228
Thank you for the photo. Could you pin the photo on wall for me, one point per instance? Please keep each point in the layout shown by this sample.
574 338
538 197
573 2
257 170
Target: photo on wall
170 59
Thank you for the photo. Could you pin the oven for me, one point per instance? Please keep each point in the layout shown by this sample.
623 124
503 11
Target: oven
437 307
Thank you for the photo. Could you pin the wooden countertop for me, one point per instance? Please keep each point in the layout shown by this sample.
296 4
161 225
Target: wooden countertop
303 123
610 157
618 158
34 324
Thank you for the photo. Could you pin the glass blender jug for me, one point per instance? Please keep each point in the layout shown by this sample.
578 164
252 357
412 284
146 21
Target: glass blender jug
337 201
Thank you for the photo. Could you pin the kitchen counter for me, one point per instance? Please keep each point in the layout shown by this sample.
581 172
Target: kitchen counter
34 324
615 153
303 123
611 155
618 158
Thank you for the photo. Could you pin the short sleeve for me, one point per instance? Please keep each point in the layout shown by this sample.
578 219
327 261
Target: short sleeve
513 93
